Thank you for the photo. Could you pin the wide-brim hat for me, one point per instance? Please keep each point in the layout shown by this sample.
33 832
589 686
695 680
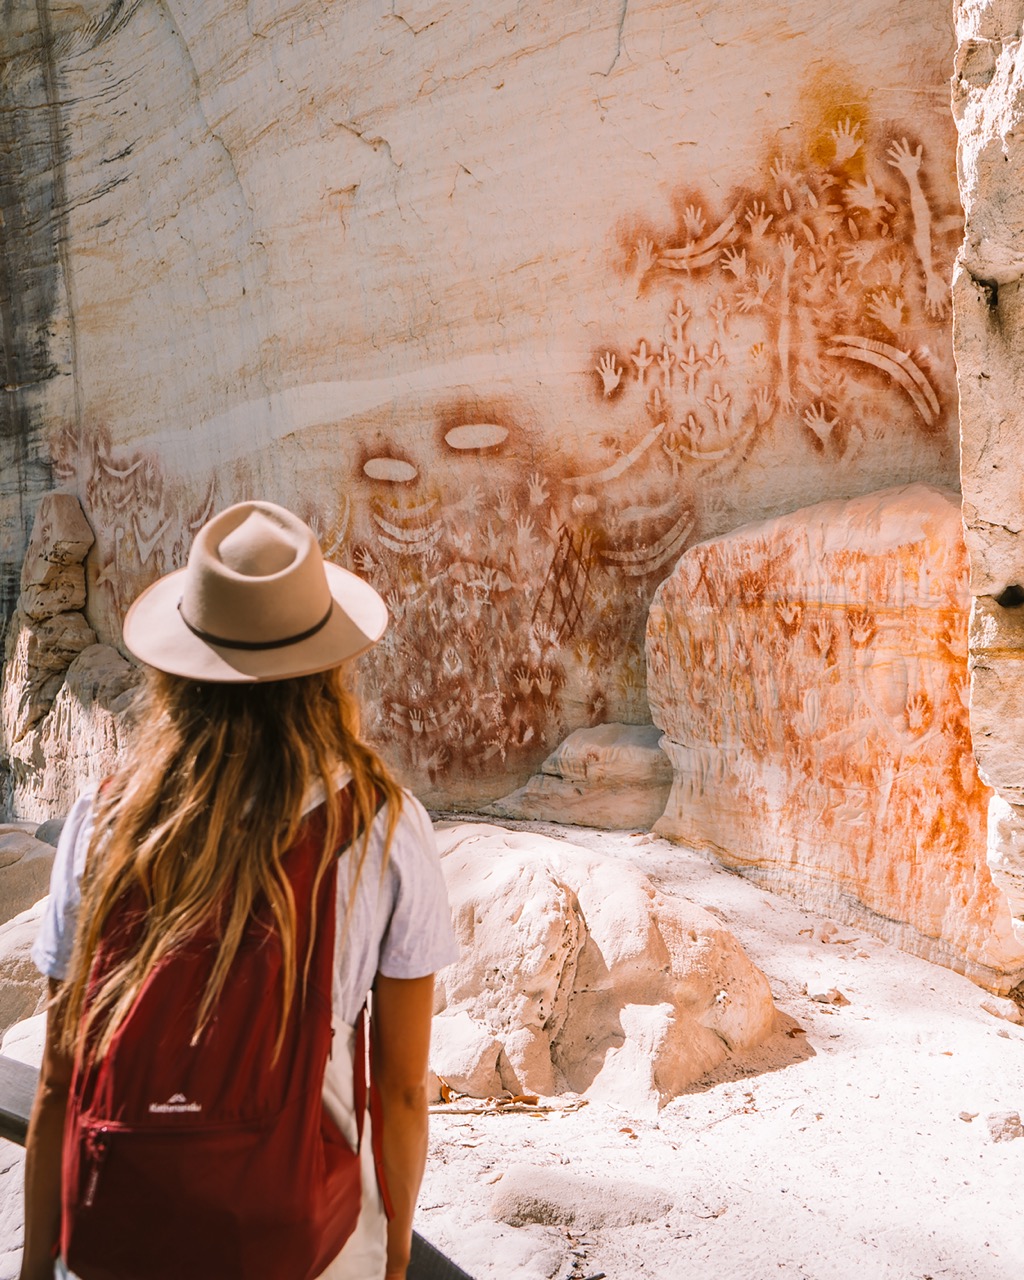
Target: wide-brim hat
256 601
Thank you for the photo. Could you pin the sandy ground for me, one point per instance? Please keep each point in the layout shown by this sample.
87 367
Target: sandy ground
860 1148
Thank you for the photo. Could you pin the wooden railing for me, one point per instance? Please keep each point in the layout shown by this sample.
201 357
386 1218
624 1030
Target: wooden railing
18 1087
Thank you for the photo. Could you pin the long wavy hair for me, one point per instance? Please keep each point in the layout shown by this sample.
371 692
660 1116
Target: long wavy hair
197 821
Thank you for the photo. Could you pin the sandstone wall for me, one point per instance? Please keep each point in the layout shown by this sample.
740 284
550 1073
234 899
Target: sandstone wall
515 302
988 336
810 673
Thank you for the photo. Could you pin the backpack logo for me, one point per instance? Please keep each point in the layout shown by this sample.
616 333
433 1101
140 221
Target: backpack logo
177 1102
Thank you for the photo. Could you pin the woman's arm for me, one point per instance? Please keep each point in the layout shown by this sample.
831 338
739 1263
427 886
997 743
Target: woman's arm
43 1151
401 1043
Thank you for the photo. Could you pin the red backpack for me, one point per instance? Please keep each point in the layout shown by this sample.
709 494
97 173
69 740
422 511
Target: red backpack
215 1161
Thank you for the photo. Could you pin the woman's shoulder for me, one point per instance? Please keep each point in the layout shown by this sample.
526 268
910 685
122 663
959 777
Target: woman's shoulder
413 835
419 938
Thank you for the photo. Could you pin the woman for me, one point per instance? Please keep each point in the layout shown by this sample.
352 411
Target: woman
246 730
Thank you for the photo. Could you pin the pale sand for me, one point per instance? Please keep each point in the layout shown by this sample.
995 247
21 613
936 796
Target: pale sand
848 1161
851 1161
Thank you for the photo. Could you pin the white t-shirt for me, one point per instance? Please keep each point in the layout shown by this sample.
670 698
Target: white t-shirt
398 925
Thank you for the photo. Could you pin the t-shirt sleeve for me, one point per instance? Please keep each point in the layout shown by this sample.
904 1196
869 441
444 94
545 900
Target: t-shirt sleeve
51 951
419 938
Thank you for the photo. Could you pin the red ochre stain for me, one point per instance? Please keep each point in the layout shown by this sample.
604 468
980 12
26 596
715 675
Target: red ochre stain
831 101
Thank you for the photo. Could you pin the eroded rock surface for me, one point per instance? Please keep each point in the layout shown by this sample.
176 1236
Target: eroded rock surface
82 738
24 871
52 574
577 974
65 698
810 675
988 340
22 988
613 776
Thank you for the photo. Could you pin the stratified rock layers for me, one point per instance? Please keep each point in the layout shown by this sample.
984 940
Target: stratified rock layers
810 675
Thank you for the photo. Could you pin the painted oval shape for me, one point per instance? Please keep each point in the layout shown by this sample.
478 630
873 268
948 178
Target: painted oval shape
476 435
389 469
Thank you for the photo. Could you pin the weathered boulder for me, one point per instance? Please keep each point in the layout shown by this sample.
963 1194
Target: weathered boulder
80 740
464 1052
579 975
38 655
24 871
810 675
52 574
64 697
49 831
22 988
613 776
25 1040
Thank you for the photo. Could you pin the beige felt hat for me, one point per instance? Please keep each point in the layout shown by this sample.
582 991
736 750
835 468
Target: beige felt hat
256 601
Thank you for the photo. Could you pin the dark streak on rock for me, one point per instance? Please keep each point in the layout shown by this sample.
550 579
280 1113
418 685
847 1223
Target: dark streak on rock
990 289
30 283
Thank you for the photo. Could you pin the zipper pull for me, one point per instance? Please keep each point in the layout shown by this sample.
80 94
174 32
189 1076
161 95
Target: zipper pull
96 1145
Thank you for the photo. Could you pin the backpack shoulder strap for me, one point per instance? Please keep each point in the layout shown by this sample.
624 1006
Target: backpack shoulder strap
361 1059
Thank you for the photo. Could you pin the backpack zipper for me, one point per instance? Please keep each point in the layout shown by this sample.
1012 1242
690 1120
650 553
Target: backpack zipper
97 1148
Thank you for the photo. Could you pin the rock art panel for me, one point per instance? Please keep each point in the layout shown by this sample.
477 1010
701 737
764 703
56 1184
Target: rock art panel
810 676
577 974
812 308
614 776
512 317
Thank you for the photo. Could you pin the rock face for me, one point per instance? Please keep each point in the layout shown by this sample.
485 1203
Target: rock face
47 632
614 776
81 739
514 306
810 675
52 575
576 973
64 700
22 989
988 337
24 871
